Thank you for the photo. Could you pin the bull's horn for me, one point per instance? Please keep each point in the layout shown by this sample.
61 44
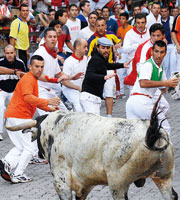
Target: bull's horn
19 127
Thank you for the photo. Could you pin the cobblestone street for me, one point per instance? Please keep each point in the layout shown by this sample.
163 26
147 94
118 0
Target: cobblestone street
42 185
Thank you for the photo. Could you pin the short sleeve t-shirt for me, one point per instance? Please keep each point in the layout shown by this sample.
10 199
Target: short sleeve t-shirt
20 32
146 73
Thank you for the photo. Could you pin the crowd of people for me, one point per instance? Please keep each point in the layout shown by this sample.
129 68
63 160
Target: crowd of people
87 51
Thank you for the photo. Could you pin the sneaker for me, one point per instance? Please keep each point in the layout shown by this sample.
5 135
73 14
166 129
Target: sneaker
37 160
1 137
5 170
21 178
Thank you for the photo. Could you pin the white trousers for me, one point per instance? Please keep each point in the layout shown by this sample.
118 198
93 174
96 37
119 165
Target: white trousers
5 97
140 107
90 103
110 86
19 156
74 97
46 94
122 73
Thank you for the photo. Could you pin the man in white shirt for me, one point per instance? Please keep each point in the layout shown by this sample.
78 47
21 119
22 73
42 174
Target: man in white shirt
154 16
74 26
151 76
135 36
51 69
73 65
132 40
86 32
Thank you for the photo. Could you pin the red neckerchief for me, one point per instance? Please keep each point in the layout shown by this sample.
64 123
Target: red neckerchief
50 52
74 56
97 35
135 30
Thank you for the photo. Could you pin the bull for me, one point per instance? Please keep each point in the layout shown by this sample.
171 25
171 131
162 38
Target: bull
85 150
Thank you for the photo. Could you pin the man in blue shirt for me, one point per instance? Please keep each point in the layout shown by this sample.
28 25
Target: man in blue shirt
112 25
85 9
167 22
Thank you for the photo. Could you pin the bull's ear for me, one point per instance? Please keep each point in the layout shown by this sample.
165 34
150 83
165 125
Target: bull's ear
34 132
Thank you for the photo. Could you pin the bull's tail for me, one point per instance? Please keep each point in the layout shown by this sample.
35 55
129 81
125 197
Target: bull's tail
155 132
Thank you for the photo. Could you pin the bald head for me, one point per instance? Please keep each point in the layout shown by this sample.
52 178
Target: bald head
77 42
80 46
9 46
9 53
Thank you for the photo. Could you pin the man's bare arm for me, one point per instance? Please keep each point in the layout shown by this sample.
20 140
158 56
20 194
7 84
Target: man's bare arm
71 85
5 70
153 84
12 41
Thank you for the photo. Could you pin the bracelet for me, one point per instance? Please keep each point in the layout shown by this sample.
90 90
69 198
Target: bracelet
15 71
51 79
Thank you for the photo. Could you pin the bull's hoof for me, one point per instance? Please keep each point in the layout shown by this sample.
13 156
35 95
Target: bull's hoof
174 194
140 182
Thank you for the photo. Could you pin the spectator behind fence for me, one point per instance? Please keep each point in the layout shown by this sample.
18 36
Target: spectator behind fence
11 70
19 34
5 14
42 6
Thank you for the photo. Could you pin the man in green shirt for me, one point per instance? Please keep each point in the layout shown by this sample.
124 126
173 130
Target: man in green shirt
151 76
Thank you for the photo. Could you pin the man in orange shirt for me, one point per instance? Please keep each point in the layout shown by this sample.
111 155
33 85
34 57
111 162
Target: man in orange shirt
125 27
21 109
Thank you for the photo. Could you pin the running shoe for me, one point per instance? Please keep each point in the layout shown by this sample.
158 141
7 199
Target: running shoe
21 178
5 170
37 160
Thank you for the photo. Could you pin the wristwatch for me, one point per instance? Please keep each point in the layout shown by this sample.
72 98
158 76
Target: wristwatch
15 71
